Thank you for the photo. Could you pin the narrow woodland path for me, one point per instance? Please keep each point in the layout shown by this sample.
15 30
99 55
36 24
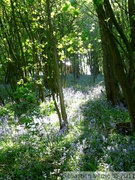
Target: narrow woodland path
76 94
80 92
92 144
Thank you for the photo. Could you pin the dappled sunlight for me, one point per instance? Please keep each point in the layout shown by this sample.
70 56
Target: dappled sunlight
60 80
9 129
81 92
96 92
98 127
91 143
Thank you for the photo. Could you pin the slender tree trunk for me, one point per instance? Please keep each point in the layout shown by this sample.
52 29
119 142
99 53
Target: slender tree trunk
75 66
52 41
60 91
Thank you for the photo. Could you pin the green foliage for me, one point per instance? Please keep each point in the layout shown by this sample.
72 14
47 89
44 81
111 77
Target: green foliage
73 2
45 152
97 3
47 108
6 110
70 7
25 99
30 1
3 111
65 7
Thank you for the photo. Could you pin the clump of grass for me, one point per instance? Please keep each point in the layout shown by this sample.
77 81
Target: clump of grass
92 144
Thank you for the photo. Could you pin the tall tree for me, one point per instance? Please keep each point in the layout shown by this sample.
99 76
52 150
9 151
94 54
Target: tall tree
125 78
29 49
111 83
54 58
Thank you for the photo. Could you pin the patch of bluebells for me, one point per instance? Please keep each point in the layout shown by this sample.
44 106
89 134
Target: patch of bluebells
90 117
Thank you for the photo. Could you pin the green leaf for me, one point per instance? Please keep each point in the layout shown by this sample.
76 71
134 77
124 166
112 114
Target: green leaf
30 1
76 12
73 2
25 120
65 7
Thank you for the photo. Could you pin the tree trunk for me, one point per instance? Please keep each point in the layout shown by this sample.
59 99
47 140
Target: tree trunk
111 84
123 78
75 66
54 53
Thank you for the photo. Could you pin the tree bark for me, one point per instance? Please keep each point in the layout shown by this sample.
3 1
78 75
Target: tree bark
123 78
54 53
111 84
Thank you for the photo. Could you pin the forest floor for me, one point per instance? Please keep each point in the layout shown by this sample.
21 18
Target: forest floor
40 151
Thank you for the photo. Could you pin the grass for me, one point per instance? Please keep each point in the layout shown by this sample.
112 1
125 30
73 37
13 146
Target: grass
40 151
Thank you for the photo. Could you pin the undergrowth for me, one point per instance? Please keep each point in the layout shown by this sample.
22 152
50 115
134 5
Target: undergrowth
37 149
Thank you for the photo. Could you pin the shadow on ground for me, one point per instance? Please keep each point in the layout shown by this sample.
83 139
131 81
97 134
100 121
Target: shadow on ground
91 144
105 149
